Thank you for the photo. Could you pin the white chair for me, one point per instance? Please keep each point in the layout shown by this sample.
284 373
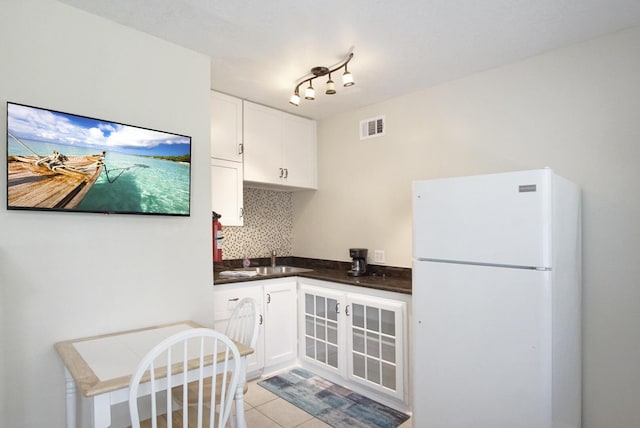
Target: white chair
189 355
243 327
244 323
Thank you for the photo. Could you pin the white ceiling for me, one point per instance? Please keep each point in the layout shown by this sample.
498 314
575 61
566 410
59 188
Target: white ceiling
259 49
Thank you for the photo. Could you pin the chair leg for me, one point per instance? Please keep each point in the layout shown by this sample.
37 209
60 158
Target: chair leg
232 416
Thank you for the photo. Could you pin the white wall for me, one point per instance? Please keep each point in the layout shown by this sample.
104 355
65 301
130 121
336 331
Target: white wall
65 275
576 110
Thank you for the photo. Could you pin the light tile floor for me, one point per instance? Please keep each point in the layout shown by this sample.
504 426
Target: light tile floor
263 409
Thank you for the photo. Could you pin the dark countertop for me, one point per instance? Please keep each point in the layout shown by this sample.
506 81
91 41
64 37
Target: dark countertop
380 277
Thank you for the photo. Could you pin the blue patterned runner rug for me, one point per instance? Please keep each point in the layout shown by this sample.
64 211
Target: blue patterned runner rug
331 403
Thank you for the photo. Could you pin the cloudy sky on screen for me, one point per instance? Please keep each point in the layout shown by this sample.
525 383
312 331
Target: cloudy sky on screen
30 123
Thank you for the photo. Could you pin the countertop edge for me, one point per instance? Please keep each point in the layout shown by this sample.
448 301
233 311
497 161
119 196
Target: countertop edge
374 281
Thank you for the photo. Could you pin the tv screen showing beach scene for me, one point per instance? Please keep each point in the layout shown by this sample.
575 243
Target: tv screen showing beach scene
66 162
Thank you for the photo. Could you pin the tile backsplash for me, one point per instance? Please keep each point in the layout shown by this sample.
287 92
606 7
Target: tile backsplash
268 225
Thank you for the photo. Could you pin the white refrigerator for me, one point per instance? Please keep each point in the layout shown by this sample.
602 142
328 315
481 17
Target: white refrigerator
497 302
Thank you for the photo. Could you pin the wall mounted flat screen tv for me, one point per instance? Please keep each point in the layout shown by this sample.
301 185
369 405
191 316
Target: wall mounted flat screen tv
66 162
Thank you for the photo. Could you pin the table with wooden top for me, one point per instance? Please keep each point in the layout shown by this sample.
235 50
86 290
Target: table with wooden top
102 366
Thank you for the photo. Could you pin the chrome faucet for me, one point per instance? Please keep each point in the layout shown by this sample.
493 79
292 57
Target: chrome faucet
273 258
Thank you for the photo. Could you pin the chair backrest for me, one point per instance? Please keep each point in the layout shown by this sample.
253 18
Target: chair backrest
244 323
189 355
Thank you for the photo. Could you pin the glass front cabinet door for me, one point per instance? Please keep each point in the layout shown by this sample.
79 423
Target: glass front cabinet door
322 339
375 344
358 337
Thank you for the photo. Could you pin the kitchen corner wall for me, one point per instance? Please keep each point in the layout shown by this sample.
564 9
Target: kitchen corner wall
576 110
268 225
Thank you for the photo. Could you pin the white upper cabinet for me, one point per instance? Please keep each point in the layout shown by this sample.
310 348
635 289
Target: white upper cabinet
226 158
226 191
263 131
299 157
226 127
279 149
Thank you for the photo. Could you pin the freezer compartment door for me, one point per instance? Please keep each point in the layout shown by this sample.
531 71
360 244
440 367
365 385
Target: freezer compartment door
497 218
482 347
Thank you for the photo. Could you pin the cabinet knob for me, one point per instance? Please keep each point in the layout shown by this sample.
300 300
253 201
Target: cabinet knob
337 307
240 149
260 323
346 310
281 172
268 298
286 172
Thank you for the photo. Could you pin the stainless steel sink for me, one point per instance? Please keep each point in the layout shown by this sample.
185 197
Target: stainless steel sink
275 270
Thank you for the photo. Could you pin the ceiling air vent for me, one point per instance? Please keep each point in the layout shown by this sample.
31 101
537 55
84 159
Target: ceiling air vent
373 127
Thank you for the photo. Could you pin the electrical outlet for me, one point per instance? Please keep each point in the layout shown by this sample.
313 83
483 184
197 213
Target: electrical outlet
378 256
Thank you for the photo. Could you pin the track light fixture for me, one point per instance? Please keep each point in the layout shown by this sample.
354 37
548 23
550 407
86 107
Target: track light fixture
310 93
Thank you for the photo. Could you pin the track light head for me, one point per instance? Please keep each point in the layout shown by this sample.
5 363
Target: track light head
295 98
331 87
347 78
310 93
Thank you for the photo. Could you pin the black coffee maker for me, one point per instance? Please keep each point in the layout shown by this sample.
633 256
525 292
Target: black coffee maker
359 262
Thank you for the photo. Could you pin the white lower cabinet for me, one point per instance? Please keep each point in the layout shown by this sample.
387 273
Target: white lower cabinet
226 297
359 337
280 324
277 304
352 337
321 338
376 343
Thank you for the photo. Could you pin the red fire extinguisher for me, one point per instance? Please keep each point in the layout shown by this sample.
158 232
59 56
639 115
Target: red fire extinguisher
217 237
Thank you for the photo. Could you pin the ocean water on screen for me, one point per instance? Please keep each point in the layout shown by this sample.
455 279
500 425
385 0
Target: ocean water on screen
140 184
134 184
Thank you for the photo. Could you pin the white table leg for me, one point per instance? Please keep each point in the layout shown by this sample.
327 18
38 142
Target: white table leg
101 411
241 422
71 390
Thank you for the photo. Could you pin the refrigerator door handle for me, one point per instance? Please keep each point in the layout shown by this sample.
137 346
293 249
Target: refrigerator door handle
497 265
